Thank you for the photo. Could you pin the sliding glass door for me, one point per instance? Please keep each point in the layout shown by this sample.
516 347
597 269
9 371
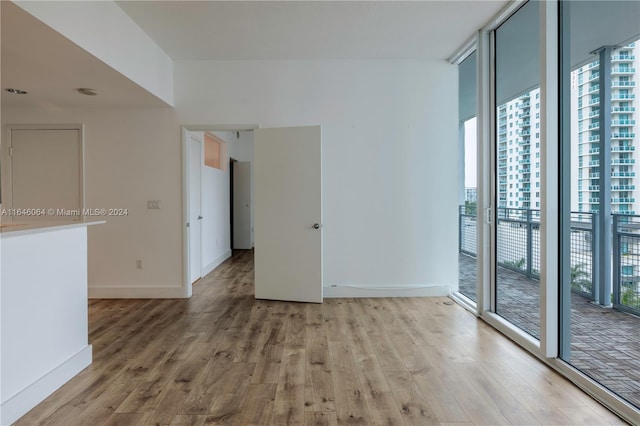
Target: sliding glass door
517 169
600 123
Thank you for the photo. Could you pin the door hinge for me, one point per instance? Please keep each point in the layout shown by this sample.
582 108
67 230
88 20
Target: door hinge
10 151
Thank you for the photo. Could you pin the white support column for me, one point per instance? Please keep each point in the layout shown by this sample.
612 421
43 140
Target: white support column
549 151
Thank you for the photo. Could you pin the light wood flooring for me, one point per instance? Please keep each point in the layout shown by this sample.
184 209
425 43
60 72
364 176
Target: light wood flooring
223 357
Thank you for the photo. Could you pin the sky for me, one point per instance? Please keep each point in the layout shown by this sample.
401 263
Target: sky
470 154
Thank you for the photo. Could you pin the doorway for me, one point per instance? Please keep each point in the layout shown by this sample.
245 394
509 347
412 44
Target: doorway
208 182
44 174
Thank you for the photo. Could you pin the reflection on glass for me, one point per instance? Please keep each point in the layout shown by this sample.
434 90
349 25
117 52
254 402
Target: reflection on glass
517 251
468 232
603 338
467 213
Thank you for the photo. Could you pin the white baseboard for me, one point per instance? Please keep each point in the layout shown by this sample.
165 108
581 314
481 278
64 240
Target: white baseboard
133 292
386 291
19 404
215 263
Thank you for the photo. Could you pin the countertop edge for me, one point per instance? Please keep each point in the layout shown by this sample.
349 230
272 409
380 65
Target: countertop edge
33 228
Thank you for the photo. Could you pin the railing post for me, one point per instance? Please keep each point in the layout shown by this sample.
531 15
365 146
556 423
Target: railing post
460 229
616 261
529 241
604 157
595 256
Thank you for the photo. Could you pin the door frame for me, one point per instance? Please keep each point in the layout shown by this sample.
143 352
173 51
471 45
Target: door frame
185 129
6 190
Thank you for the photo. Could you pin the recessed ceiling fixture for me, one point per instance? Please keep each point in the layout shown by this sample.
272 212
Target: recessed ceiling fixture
87 91
16 91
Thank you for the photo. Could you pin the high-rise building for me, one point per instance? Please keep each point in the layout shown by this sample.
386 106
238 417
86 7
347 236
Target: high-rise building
519 152
625 195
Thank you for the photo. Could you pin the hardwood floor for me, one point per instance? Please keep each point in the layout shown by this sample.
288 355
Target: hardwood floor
223 357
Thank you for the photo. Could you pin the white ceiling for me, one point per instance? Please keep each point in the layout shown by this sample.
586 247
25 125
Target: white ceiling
39 60
310 29
50 67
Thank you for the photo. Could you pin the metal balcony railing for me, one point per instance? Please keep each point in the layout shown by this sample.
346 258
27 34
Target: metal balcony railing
518 249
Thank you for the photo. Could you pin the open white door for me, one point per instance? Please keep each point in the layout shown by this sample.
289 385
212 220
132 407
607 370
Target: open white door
288 214
195 209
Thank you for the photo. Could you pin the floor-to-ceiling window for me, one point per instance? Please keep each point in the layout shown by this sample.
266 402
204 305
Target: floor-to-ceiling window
589 292
467 210
600 127
517 169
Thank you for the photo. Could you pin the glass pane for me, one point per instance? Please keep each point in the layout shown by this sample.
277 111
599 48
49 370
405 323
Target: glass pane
518 170
468 269
467 232
600 333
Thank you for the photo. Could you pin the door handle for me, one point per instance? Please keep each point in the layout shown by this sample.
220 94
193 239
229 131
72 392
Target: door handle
199 217
316 226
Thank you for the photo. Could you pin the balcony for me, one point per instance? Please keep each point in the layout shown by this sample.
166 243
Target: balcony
622 187
623 122
593 65
618 58
623 174
594 101
618 161
623 109
594 138
594 187
626 200
518 296
623 83
623 135
622 70
593 76
622 96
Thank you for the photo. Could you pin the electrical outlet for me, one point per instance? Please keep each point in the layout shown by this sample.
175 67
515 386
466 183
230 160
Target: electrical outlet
139 264
153 204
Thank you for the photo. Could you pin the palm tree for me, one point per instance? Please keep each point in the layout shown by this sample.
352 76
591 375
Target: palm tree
580 279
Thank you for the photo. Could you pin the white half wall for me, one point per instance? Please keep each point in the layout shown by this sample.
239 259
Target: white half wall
127 49
44 315
131 157
389 154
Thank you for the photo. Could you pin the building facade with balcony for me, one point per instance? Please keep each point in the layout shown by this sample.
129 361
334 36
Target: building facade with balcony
519 152
625 195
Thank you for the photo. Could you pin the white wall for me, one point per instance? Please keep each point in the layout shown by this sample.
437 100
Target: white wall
389 154
216 233
131 156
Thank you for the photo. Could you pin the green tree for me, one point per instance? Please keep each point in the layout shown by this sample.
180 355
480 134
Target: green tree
580 279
